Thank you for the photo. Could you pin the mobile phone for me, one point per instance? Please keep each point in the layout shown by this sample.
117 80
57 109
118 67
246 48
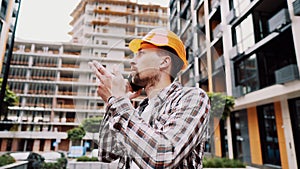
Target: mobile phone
134 87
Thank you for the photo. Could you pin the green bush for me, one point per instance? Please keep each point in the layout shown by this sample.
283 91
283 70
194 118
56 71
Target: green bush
6 159
60 164
222 163
86 158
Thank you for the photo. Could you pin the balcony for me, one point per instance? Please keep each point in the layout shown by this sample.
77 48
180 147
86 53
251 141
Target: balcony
70 66
296 5
287 74
238 91
279 20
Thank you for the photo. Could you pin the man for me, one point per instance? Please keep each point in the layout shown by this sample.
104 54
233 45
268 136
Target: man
170 131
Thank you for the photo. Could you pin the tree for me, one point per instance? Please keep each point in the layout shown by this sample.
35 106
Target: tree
221 106
10 99
76 134
92 125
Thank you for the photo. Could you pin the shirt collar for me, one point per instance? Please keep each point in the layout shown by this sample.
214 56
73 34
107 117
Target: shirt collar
166 92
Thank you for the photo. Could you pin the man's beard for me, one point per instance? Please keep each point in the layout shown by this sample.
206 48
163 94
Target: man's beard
142 82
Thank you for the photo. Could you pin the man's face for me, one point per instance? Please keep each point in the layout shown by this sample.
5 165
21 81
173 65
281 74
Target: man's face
145 66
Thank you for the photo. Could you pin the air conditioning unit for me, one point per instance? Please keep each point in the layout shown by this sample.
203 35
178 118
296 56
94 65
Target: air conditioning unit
237 91
279 20
296 5
230 16
286 74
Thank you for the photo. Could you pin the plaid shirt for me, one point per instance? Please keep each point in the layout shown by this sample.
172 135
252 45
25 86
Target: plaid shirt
173 138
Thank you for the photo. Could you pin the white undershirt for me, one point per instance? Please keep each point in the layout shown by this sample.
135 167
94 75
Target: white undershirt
146 114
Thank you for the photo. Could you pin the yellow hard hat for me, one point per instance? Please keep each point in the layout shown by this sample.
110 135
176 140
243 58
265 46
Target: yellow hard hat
162 37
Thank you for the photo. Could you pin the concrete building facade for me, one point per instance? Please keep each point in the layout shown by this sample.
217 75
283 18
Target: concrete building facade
57 89
248 49
8 12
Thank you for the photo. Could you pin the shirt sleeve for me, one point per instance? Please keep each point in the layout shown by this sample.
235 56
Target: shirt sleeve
109 148
166 146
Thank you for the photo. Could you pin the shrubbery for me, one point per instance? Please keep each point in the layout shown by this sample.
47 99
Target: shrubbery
60 164
86 158
222 163
6 159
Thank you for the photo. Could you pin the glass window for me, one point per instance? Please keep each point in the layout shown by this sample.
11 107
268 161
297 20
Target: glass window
104 42
203 66
240 136
104 55
294 106
246 74
244 34
3 9
240 5
0 27
268 135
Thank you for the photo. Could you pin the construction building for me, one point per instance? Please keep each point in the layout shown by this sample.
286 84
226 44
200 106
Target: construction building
57 89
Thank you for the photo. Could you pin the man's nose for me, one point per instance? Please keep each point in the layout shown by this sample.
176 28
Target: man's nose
132 63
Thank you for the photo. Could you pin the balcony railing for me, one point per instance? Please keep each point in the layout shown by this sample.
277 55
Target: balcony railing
70 66
287 73
279 20
238 91
296 5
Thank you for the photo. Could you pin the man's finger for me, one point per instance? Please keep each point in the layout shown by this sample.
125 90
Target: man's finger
95 70
101 68
116 71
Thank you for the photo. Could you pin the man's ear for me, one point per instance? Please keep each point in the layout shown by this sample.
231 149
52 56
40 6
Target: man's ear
165 62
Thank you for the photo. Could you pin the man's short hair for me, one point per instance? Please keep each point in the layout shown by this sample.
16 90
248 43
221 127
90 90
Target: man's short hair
177 63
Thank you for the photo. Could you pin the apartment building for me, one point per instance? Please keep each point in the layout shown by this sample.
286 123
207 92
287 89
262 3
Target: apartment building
249 49
56 87
8 13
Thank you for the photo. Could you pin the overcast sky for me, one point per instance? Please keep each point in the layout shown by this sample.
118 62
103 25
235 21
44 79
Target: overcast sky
48 20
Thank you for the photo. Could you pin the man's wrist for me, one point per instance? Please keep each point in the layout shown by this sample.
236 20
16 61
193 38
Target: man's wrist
111 99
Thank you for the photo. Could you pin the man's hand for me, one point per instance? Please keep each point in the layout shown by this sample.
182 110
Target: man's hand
111 84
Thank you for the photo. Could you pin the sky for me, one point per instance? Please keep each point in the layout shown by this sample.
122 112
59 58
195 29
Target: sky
48 20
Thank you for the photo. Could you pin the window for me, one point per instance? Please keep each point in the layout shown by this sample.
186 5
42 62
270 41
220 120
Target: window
1 26
104 55
97 42
93 78
294 107
104 42
243 34
240 136
239 5
268 135
104 30
3 9
246 74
